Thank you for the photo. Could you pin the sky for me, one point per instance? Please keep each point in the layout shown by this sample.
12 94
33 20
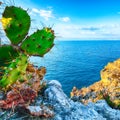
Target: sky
75 19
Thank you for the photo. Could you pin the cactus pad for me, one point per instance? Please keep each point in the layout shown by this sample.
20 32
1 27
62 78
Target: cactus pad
15 71
7 53
16 23
39 43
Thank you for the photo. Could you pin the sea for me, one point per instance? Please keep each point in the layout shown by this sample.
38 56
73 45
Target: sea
78 63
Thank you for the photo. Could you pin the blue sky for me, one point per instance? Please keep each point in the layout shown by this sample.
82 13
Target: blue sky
76 19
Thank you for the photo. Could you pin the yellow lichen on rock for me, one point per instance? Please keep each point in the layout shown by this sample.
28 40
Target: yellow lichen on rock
109 85
5 22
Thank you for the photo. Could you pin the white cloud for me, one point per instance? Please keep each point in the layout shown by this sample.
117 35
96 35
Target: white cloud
64 19
46 14
35 10
88 32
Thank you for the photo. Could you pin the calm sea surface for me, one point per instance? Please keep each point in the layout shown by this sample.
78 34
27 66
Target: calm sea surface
78 63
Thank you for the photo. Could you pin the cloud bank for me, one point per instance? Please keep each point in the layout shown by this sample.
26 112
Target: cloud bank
92 32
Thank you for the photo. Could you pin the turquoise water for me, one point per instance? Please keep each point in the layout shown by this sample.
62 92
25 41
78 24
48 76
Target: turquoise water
78 63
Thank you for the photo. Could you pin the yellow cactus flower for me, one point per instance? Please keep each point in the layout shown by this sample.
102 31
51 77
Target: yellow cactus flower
48 29
5 22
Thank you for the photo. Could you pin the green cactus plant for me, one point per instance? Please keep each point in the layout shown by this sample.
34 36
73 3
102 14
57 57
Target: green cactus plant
39 43
15 71
16 23
7 53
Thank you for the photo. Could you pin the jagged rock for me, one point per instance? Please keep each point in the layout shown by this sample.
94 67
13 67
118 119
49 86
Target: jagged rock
107 88
104 110
55 94
40 111
66 109
18 98
54 101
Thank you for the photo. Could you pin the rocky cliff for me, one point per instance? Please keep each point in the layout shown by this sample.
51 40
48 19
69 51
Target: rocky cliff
66 109
107 88
54 102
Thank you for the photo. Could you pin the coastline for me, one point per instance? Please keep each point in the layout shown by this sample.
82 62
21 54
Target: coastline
53 104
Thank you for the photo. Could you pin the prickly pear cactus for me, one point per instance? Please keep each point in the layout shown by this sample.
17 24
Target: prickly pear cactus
15 71
16 23
7 53
39 43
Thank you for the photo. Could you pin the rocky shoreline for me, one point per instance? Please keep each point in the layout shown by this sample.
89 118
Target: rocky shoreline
38 99
107 88
55 102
